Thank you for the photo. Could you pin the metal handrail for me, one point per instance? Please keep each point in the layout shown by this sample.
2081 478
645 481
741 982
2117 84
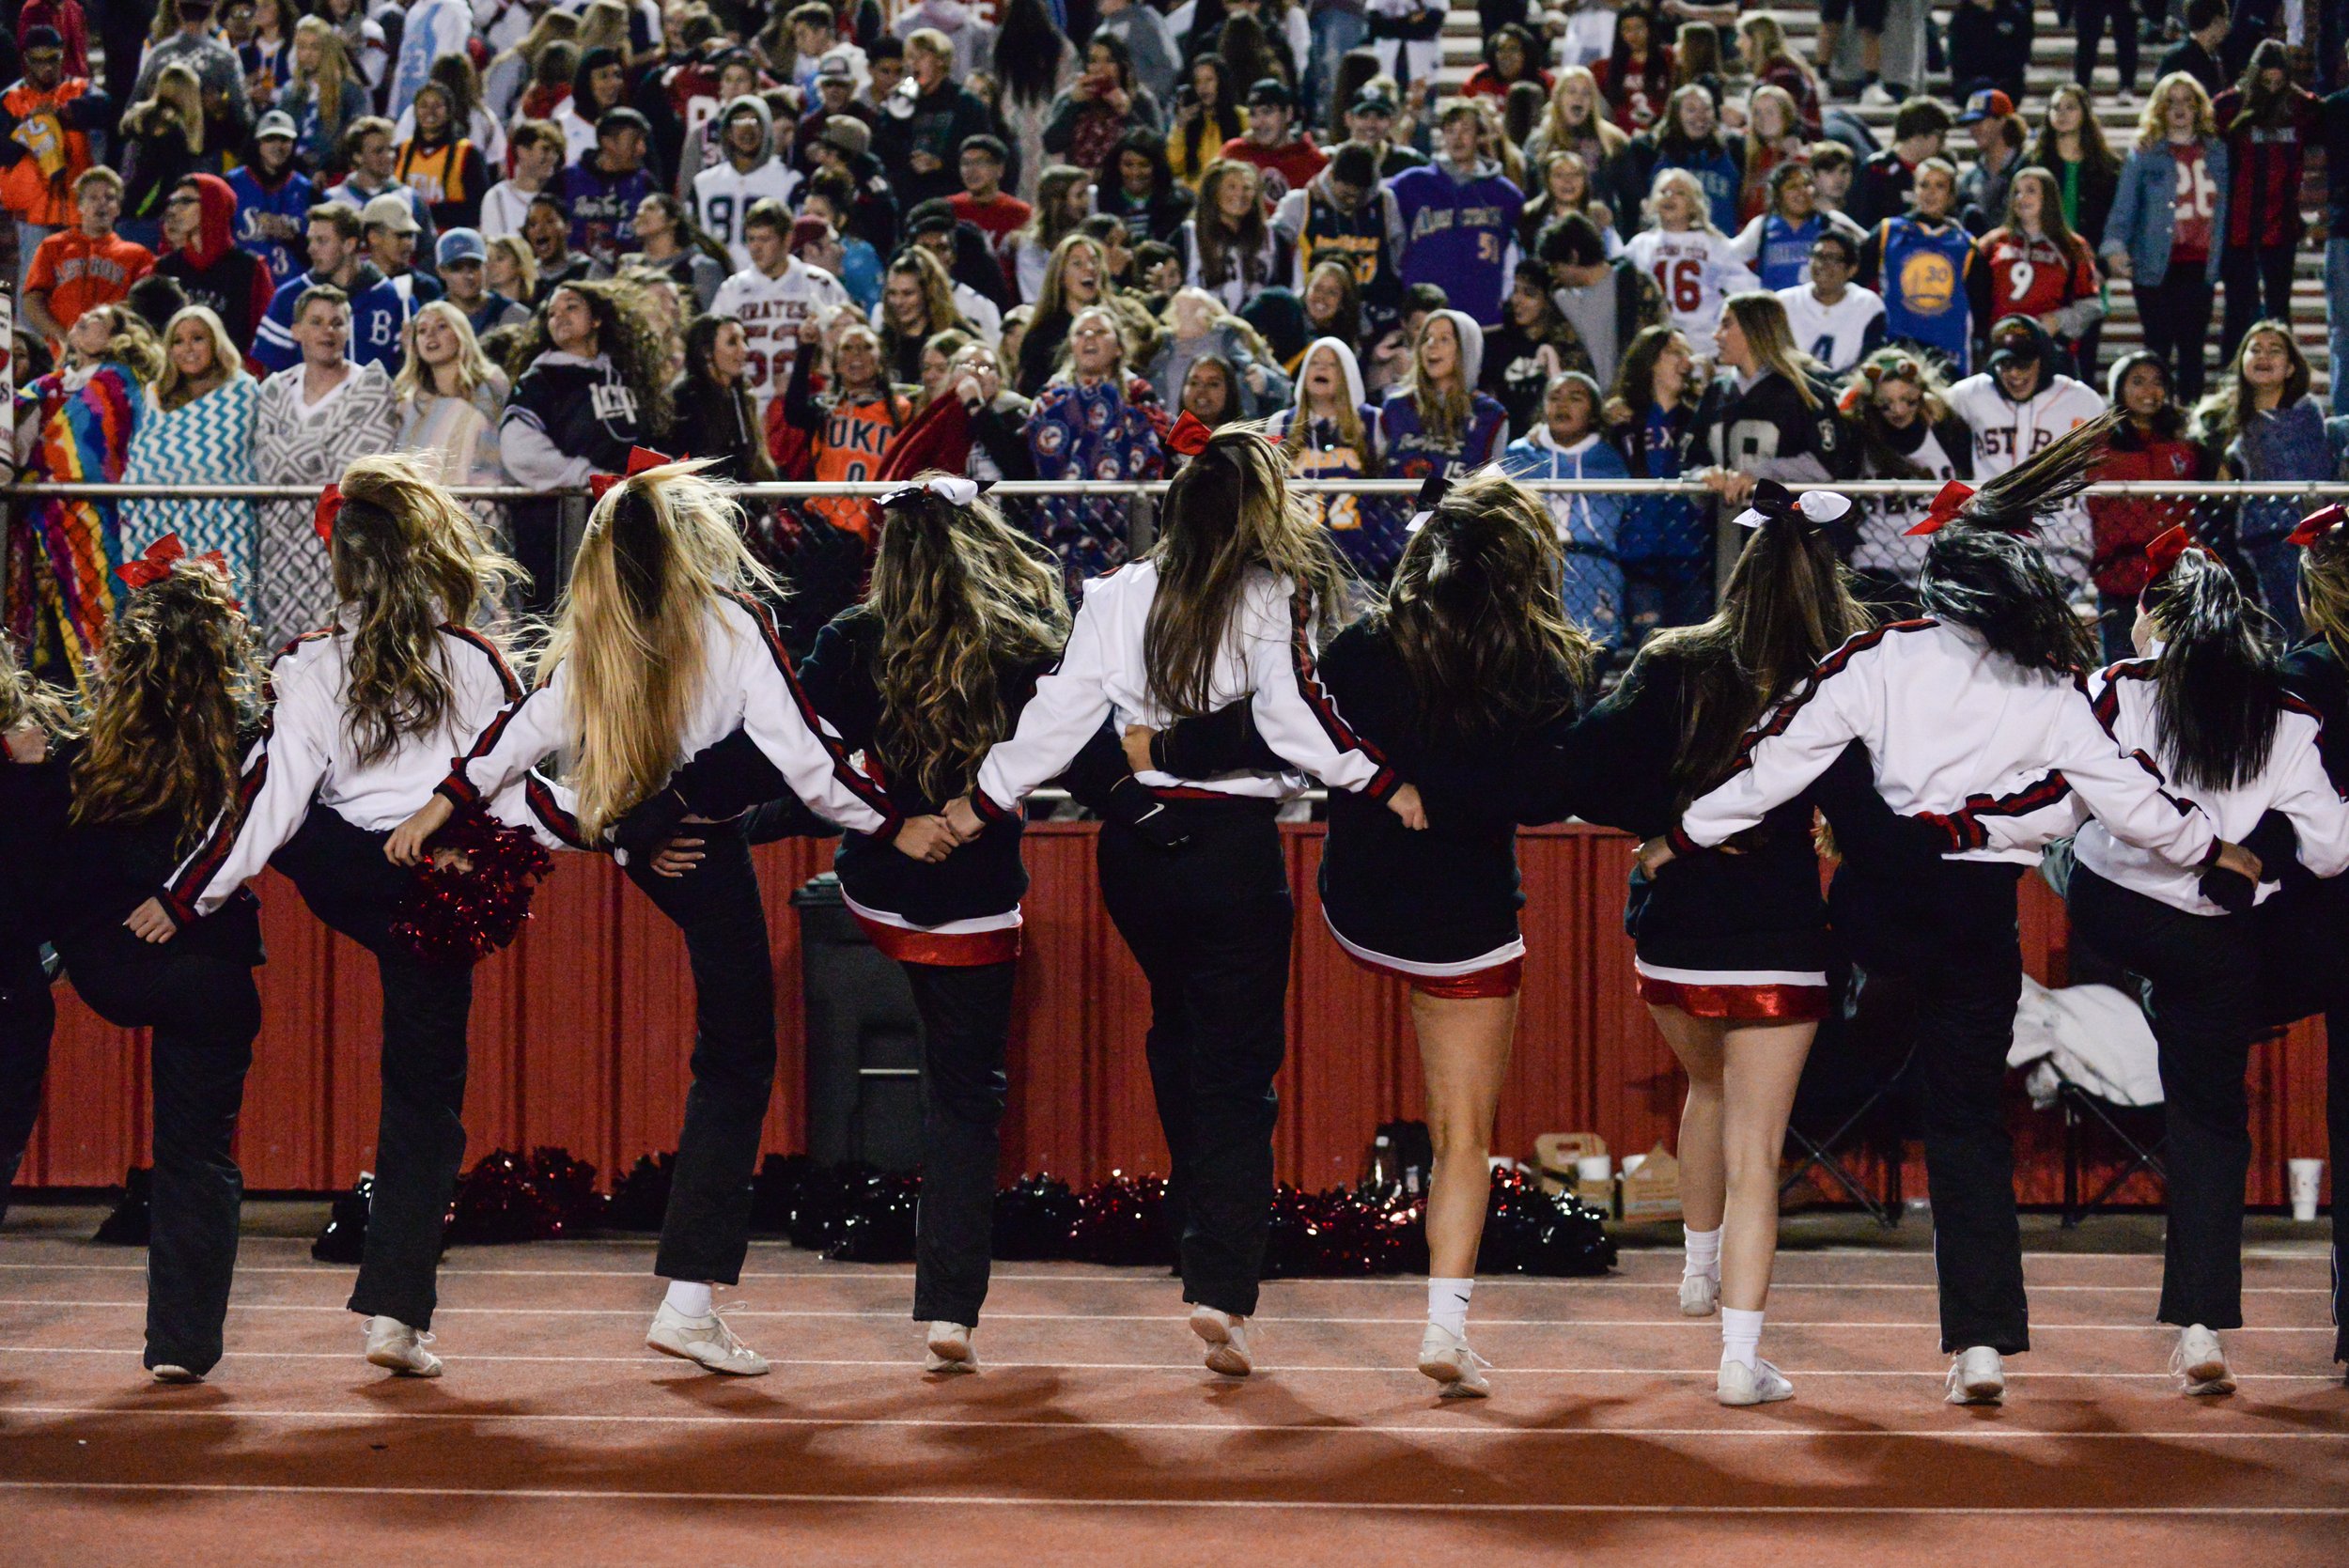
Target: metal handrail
1042 488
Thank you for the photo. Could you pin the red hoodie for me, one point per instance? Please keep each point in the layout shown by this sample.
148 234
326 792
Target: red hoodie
234 283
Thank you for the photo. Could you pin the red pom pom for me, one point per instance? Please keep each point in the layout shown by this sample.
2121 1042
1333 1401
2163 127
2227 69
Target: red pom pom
461 917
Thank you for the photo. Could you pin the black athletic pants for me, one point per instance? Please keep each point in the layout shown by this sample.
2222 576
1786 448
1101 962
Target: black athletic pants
420 1135
966 1024
2088 20
28 1015
2259 284
717 907
1957 954
1211 925
2298 933
2201 995
202 1011
2176 314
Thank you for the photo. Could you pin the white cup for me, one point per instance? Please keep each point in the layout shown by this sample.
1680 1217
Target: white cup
2303 1175
1595 1168
1631 1163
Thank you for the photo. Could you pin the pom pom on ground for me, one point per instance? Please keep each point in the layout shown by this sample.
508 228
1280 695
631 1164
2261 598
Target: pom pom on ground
640 1199
1528 1231
1123 1222
1033 1219
449 916
775 1191
344 1240
497 1203
877 1226
127 1223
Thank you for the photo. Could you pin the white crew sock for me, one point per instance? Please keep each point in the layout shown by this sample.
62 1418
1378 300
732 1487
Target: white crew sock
1741 1334
1704 1253
1448 1303
690 1296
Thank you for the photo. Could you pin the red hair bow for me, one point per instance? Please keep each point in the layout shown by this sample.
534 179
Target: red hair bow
330 507
161 557
1189 436
2163 552
640 458
2317 524
1945 506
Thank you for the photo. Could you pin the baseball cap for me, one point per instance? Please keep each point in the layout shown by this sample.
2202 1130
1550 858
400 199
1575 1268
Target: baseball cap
42 37
388 211
934 216
1989 103
461 244
848 133
1372 103
807 231
275 123
1271 89
2014 340
835 64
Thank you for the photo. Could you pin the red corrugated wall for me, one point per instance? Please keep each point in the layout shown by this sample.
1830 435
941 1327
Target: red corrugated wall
580 1034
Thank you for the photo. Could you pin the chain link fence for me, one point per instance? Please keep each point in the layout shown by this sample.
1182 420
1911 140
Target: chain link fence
1641 556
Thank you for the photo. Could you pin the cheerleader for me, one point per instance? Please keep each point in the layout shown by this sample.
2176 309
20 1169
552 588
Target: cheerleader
1975 720
33 719
365 715
964 614
171 706
658 651
1229 603
1468 680
2207 703
2300 930
1730 951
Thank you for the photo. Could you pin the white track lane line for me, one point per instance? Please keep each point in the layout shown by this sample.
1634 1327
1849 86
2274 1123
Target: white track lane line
1271 1320
907 1363
1485 1282
949 1500
1974 1433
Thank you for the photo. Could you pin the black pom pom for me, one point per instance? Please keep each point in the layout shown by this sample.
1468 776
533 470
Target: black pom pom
775 1191
345 1238
1528 1231
640 1199
569 1188
879 1225
498 1203
821 1210
1123 1222
1033 1219
127 1225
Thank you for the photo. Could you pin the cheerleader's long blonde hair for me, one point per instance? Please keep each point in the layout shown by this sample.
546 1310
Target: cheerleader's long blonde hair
958 594
407 560
661 550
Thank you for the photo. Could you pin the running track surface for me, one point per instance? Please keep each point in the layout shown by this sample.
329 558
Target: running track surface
1093 1436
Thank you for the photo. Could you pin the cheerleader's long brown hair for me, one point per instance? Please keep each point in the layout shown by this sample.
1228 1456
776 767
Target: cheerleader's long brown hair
958 594
407 560
1474 614
176 684
661 548
1229 512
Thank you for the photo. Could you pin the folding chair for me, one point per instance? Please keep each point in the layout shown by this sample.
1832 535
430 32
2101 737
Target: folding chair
1852 1096
2083 1112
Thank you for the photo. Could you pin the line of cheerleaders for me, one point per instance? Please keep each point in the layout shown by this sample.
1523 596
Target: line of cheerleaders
2200 788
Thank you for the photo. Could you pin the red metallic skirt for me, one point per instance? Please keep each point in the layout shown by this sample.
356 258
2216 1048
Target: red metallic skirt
1768 1004
943 948
1501 980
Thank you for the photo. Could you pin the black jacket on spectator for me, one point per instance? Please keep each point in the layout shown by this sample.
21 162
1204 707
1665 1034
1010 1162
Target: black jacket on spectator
942 120
1880 190
2197 62
584 407
1991 45
711 421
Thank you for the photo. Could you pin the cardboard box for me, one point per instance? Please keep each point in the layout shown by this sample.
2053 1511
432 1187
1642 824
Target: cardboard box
1651 1191
1554 1156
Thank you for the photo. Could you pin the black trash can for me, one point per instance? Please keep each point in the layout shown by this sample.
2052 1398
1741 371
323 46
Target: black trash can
863 1039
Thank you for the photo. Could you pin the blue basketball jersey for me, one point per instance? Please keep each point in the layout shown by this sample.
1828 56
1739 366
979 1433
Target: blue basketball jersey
1923 284
1785 258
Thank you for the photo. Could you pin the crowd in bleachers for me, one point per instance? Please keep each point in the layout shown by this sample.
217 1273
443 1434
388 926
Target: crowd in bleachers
1018 239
